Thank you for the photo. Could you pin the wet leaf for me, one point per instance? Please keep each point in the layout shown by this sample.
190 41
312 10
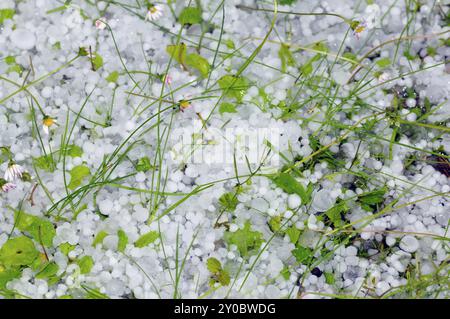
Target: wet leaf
123 240
146 239
190 15
246 240
19 251
77 174
85 263
234 87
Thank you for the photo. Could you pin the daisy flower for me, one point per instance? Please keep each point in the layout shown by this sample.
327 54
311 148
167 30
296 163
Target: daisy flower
154 12
47 122
100 24
13 171
6 186
358 28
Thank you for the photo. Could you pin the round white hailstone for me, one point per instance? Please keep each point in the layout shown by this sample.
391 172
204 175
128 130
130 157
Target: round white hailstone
288 214
272 292
46 92
233 228
409 244
140 177
106 206
323 201
410 102
390 241
294 201
23 39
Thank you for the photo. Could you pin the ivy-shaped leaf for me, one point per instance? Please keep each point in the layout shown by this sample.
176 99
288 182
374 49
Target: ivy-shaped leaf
18 251
246 240
77 174
199 63
85 263
234 87
41 229
190 15
227 108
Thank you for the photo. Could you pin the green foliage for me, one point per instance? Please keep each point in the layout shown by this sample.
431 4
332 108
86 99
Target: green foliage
329 278
302 254
290 185
199 63
66 248
8 274
335 213
227 108
286 57
18 251
44 162
190 15
369 201
146 239
92 293
384 62
218 274
6 14
41 229
293 234
123 240
97 61
143 164
230 44
246 240
73 150
99 238
285 273
234 87
113 77
286 2
48 271
275 223
85 263
228 201
77 175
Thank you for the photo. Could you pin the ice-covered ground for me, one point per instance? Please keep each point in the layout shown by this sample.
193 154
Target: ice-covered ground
186 149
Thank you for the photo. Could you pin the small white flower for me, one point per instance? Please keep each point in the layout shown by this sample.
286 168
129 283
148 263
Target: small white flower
384 77
13 171
6 186
359 29
154 12
100 23
47 122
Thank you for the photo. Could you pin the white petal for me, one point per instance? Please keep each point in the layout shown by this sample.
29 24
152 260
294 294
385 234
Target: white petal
45 128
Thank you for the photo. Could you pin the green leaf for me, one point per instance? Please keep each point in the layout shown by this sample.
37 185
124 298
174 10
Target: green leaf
94 293
19 251
44 162
383 62
285 273
66 248
370 200
286 2
10 60
234 87
290 185
99 238
223 278
230 44
246 240
6 14
97 61
8 274
227 108
41 229
329 278
190 15
286 57
293 233
335 213
113 77
74 150
228 201
213 265
77 174
302 254
123 240
199 63
85 263
275 223
177 52
143 164
49 270
146 239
